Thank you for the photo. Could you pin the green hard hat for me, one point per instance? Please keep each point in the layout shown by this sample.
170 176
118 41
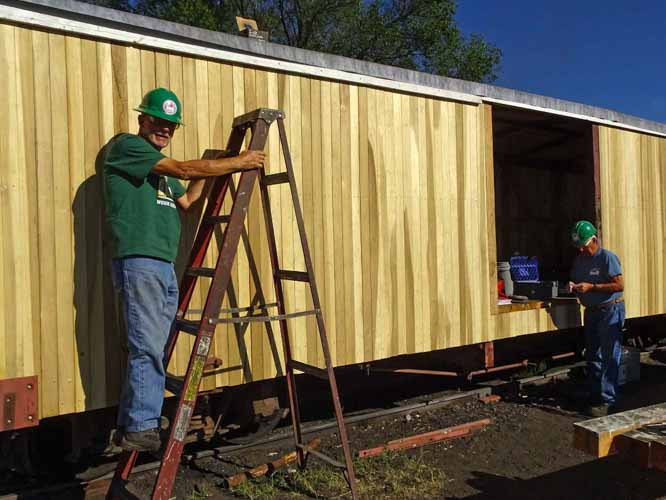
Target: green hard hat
582 233
161 103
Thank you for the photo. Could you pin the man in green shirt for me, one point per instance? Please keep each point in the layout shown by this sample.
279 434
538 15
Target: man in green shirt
142 195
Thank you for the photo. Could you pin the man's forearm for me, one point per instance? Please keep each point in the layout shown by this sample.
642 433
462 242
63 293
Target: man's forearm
195 189
608 287
198 169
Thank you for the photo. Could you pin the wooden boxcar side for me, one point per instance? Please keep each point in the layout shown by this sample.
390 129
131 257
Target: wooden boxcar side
397 191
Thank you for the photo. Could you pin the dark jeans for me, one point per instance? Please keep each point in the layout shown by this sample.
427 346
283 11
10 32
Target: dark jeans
148 292
603 347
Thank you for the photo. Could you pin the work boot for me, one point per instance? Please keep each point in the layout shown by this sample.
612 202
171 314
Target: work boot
597 411
148 440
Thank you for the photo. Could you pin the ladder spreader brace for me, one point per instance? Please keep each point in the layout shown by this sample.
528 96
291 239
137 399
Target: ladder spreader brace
187 387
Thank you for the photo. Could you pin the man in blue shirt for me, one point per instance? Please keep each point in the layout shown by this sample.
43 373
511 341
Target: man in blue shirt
597 281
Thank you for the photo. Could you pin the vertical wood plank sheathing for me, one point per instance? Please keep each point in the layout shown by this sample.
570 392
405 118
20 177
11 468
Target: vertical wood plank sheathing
366 252
326 279
175 82
344 216
274 166
89 253
225 334
62 223
189 98
420 282
293 126
429 230
49 341
76 118
239 341
192 217
464 288
217 141
107 353
307 206
28 165
254 331
265 337
316 238
399 192
19 201
338 226
8 339
356 255
488 161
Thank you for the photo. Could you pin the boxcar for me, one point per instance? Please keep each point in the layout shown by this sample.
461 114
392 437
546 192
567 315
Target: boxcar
413 188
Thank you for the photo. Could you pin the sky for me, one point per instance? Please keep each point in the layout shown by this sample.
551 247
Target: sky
606 53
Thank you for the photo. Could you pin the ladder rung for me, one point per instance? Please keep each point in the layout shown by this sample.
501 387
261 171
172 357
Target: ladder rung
174 384
292 275
258 307
217 219
237 309
263 319
207 272
315 371
188 326
281 178
321 456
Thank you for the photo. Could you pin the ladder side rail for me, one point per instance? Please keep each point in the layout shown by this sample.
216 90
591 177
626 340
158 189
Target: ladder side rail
123 470
203 237
284 331
259 297
217 290
315 300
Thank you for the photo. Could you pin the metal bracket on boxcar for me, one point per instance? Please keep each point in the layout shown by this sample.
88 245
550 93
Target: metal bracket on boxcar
19 398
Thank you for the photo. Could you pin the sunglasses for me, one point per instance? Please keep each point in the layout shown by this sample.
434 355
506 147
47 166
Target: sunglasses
162 123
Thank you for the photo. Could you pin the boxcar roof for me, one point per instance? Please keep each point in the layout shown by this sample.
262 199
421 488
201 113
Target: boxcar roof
100 22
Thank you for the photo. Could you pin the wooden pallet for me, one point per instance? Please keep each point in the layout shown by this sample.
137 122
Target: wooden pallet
639 434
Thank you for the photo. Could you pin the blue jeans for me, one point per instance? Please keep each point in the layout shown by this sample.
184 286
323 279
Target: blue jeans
603 348
148 293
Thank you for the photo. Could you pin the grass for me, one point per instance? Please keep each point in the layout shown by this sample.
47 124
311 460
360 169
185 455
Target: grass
200 492
391 475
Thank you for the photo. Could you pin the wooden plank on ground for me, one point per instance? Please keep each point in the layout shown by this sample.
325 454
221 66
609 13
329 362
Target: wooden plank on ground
597 436
637 446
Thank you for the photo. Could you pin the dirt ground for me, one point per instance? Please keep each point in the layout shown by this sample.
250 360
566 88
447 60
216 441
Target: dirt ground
525 453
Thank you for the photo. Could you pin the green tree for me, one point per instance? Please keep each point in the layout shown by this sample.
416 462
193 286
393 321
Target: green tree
413 34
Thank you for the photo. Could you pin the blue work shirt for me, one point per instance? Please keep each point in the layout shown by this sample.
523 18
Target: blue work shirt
596 269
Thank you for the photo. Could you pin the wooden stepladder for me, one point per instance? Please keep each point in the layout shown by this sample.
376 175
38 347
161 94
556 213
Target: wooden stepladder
258 123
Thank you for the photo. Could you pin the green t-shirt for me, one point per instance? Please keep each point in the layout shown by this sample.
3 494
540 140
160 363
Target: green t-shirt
140 205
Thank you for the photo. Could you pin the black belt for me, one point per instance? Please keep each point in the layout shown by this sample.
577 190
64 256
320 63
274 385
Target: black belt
601 307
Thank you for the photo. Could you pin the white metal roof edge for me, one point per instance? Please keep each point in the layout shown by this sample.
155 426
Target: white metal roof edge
600 121
25 16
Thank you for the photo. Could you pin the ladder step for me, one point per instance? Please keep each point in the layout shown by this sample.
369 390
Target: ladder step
217 219
262 319
281 178
315 371
207 272
174 384
188 326
321 456
258 307
266 114
292 275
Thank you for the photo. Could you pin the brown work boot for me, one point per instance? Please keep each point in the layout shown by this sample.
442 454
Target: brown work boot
148 440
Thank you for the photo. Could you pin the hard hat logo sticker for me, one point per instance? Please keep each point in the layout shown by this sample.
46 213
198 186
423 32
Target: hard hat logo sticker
169 107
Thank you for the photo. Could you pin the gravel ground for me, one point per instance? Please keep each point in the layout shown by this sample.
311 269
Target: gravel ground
525 453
